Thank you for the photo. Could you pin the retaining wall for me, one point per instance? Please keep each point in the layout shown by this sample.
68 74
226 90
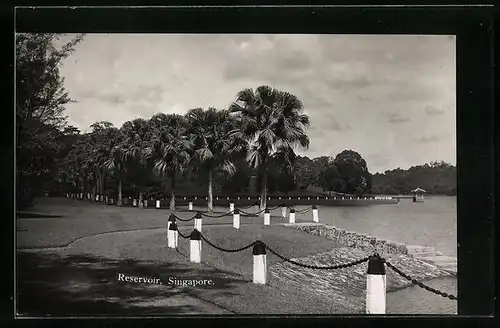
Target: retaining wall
347 238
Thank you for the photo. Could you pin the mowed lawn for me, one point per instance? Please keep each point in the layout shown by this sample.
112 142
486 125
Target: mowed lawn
100 242
74 219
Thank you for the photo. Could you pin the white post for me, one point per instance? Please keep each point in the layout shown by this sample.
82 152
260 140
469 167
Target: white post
236 219
195 246
172 235
259 263
197 221
171 219
375 286
134 202
157 203
190 206
292 216
283 211
267 217
231 207
315 214
107 199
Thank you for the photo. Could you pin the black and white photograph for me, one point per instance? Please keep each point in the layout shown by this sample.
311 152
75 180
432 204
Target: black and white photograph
235 174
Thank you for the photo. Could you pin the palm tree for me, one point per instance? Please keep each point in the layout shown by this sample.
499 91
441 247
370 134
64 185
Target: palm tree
216 142
115 159
170 149
100 142
133 151
273 123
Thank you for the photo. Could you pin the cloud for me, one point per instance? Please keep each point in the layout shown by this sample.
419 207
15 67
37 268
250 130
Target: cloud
109 98
378 159
428 139
356 83
362 98
396 118
326 121
296 60
151 94
433 111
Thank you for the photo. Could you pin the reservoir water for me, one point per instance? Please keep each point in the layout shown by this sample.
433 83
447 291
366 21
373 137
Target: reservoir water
431 223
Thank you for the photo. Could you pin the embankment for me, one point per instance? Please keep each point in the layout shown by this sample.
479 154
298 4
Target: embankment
347 238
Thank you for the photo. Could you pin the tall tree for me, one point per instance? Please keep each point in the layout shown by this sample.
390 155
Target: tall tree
273 123
137 135
330 179
353 169
216 143
170 149
115 161
40 103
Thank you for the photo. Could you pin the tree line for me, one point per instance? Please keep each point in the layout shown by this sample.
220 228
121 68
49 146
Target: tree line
436 177
201 152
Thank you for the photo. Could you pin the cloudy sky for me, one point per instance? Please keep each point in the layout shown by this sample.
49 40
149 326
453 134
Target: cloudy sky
389 97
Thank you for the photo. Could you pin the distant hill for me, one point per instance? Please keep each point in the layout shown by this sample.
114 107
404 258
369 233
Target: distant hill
439 178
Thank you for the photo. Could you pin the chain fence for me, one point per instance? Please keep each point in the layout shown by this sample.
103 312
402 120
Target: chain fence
216 216
184 220
182 235
252 214
416 282
225 249
332 267
314 267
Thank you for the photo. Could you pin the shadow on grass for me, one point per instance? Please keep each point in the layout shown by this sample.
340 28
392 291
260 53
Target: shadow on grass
84 285
30 215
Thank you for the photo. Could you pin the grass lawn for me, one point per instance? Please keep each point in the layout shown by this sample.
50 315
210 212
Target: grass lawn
81 278
70 266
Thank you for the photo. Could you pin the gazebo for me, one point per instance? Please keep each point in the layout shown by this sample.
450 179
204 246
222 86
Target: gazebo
418 194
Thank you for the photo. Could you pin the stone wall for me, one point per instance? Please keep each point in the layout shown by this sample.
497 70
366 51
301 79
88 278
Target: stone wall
347 238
